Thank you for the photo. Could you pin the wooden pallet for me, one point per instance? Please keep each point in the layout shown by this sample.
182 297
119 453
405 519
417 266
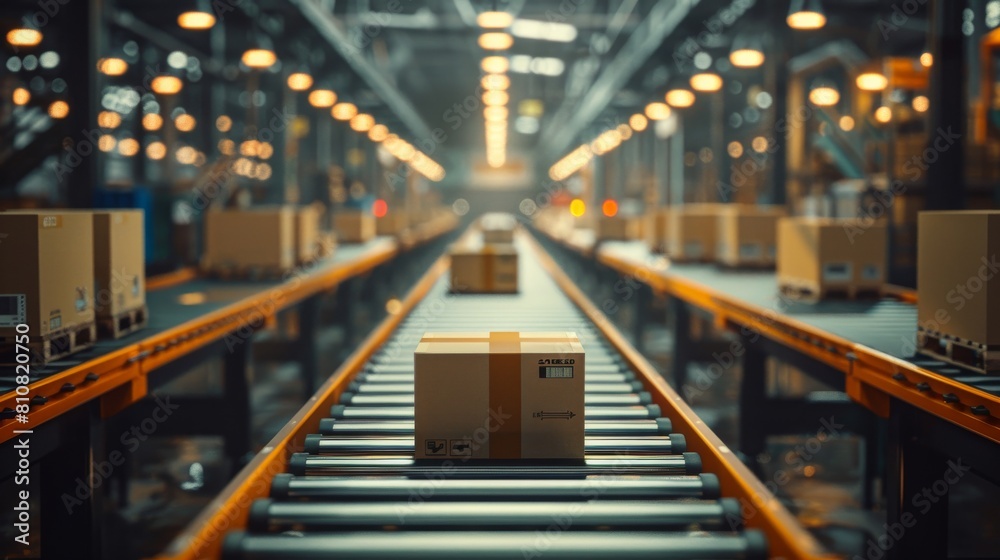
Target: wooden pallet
124 323
977 357
52 346
808 294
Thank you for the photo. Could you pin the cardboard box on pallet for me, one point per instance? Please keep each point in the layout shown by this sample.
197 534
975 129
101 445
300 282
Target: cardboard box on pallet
619 228
499 395
692 232
354 226
307 219
48 281
819 257
747 235
394 222
480 268
498 227
256 238
119 271
957 254
656 230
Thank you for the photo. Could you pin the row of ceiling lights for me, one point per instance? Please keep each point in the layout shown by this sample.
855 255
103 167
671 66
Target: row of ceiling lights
803 15
257 58
495 84
604 143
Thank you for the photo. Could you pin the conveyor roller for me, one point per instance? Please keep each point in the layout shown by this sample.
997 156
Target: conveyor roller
507 545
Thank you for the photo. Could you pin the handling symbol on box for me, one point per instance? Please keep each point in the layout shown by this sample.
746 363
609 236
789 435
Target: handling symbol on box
461 447
436 446
543 415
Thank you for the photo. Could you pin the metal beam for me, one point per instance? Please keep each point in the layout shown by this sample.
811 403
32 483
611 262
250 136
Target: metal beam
569 121
333 32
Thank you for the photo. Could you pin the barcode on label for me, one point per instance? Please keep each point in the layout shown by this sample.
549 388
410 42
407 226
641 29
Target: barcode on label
13 310
555 372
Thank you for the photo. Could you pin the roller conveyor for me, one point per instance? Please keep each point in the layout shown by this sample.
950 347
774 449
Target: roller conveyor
335 427
590 399
269 515
673 444
500 545
357 492
702 487
365 388
393 378
406 412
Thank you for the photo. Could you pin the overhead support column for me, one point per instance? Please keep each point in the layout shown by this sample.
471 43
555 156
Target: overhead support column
777 72
946 177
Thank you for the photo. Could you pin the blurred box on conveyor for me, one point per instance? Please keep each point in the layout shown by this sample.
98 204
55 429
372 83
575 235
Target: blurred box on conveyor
394 222
47 284
820 258
354 226
307 241
499 395
119 271
657 230
619 228
482 268
250 241
957 265
692 232
498 227
748 235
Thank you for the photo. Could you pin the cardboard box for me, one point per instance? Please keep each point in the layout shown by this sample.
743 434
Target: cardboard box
498 227
307 219
255 238
619 228
820 257
957 254
48 280
394 222
119 263
748 235
478 268
656 230
692 232
326 244
354 226
499 395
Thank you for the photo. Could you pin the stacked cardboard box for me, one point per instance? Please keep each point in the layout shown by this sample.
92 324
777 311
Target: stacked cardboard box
692 232
499 395
47 284
824 257
747 235
307 235
354 226
119 268
498 227
483 268
656 229
394 222
619 228
957 267
258 239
